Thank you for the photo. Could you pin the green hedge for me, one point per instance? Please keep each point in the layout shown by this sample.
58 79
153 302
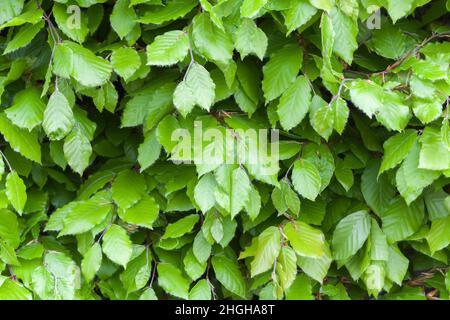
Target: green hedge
115 182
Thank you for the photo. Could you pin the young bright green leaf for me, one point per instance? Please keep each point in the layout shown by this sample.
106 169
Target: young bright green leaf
27 110
123 18
204 192
58 117
168 49
21 140
228 274
172 281
350 235
125 62
305 240
23 37
181 227
250 40
299 14
77 150
281 71
267 250
196 89
144 213
16 191
74 61
149 151
91 262
75 29
128 188
117 246
250 8
397 148
294 103
212 42
400 220
306 179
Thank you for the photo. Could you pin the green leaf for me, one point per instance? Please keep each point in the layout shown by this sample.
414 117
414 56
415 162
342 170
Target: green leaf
250 40
250 8
149 105
13 290
181 227
394 114
27 110
204 192
305 240
21 140
322 120
433 153
212 42
77 150
316 268
9 9
201 291
427 110
16 191
123 18
346 31
400 220
58 117
301 289
398 10
128 188
350 235
117 246
367 96
172 281
148 294
92 261
79 63
23 37
377 190
85 216
294 103
138 271
228 274
267 251
439 235
64 275
168 49
341 113
197 89
192 266
174 9
75 29
144 213
379 249
410 179
281 71
390 42
286 267
397 265
125 62
299 14
240 191
9 228
149 151
396 148
306 179
326 5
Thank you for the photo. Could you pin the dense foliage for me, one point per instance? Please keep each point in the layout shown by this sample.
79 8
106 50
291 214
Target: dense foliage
93 205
